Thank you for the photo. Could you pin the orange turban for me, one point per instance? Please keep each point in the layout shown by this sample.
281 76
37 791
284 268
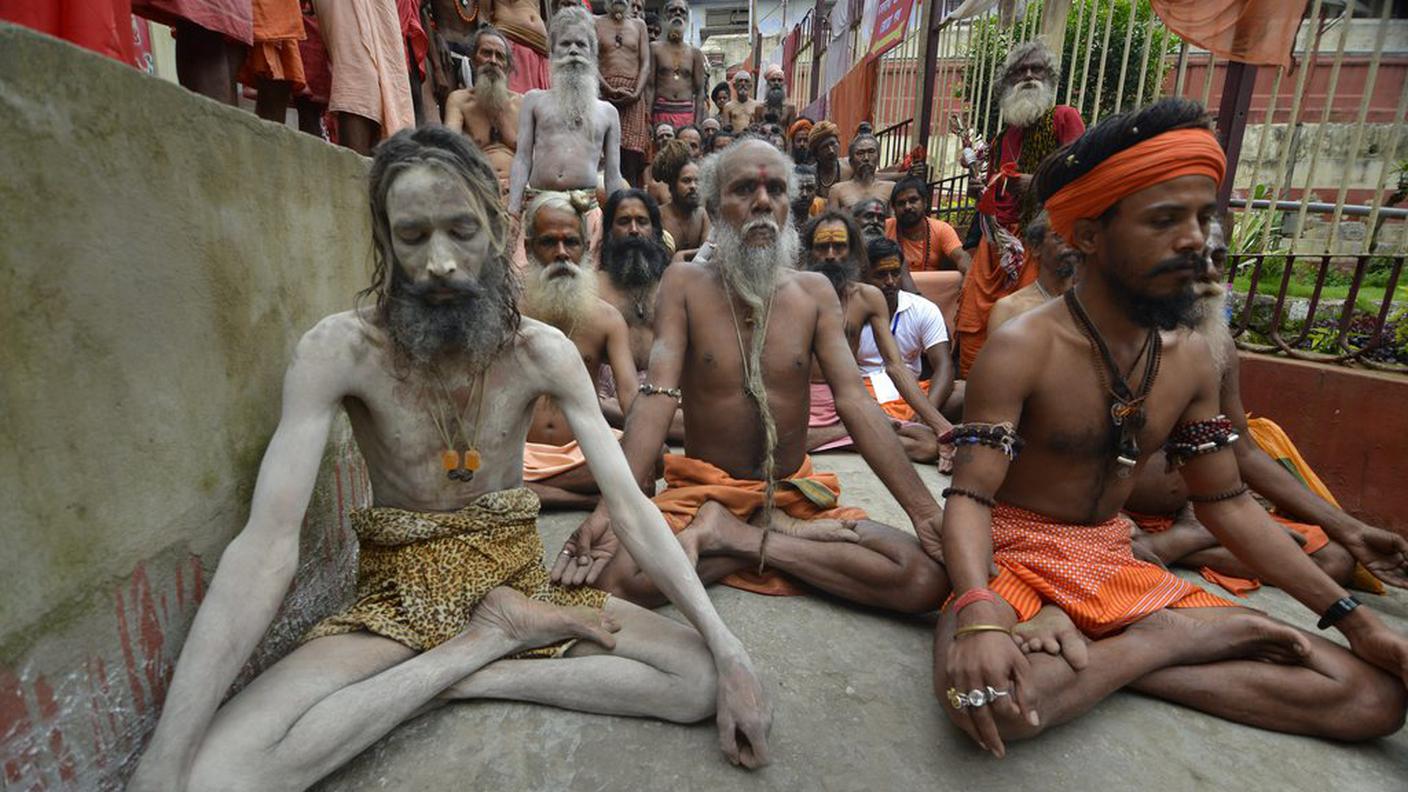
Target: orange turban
800 125
1182 152
820 132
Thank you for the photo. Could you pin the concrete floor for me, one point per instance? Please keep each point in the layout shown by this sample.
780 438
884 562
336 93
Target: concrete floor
854 711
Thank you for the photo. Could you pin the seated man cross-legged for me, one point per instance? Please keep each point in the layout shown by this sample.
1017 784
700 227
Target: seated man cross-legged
561 290
439 376
831 245
1063 407
734 336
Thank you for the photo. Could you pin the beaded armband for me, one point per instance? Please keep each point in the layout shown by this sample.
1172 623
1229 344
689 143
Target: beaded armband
1001 436
1218 497
1196 438
977 497
646 389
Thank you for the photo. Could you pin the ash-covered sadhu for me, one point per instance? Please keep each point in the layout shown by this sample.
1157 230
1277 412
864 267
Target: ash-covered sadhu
1062 408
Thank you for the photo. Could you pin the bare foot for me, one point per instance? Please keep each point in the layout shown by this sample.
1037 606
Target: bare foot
1246 636
1052 631
530 624
823 530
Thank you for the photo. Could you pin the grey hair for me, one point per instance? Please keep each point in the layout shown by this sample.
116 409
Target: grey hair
710 172
552 200
1023 52
490 30
573 16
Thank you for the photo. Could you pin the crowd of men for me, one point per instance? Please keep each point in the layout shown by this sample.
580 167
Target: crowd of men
544 324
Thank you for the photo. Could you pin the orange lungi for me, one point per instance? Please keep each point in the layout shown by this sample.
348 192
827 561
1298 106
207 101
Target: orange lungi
983 286
1089 571
544 460
278 27
805 494
898 409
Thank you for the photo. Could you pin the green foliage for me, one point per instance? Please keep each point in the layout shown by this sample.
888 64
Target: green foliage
992 42
1248 227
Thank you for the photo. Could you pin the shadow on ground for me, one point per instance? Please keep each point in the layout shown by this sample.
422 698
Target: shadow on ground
854 711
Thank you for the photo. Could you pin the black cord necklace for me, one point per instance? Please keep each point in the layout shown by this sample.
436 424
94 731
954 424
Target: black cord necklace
1127 408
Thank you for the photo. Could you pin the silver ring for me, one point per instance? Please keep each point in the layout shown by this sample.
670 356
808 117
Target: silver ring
994 695
566 552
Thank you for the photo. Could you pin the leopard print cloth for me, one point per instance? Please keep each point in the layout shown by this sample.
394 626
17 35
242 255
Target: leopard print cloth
420 575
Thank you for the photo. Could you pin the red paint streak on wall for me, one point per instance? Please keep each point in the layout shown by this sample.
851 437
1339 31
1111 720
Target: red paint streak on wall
129 660
49 711
15 726
152 636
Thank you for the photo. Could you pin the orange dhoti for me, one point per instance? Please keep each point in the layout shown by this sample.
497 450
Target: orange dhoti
805 495
543 460
985 284
278 27
898 409
1089 571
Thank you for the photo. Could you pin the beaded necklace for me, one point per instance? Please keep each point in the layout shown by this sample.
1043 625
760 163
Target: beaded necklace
1127 408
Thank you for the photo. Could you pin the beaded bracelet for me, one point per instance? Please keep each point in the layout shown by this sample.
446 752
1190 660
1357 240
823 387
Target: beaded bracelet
970 495
1001 436
1196 438
1219 496
647 389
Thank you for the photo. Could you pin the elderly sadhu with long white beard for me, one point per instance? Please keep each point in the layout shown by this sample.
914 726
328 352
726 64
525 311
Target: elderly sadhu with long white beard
1036 126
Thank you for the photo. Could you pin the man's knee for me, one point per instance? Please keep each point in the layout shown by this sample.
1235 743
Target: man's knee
1372 704
922 583
698 688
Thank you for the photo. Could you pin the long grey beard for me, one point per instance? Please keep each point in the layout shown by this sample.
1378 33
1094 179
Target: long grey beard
751 271
471 329
574 92
563 301
1211 322
1026 102
491 91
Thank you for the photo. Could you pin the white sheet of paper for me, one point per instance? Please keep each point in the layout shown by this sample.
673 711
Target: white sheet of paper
885 389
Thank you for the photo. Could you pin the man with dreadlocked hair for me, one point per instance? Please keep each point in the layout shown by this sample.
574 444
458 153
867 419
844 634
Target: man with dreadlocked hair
832 246
1064 407
1036 126
684 217
438 377
733 335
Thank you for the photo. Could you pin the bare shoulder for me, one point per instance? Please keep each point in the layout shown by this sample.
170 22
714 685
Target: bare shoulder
607 318
460 97
543 348
1189 353
346 337
1028 334
874 299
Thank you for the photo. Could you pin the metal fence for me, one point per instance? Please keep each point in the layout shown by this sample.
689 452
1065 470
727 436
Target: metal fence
1318 151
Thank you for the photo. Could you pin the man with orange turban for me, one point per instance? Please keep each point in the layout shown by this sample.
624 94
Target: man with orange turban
824 142
1061 408
1036 126
797 136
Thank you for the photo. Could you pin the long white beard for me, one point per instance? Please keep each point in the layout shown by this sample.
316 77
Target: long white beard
1027 101
1211 322
562 301
574 92
751 270
491 91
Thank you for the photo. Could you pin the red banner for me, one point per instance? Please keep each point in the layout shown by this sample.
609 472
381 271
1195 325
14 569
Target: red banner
891 24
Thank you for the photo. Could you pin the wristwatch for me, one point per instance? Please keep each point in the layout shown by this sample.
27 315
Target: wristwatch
1334 613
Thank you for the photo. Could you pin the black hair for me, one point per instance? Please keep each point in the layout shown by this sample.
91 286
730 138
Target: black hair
804 169
854 237
723 86
911 183
881 248
1113 135
613 204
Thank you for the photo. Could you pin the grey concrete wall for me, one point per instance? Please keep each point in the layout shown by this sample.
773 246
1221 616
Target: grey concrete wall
159 256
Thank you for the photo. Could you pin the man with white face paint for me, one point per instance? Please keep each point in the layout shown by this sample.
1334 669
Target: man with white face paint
1334 540
566 134
734 336
438 375
560 290
1035 127
488 111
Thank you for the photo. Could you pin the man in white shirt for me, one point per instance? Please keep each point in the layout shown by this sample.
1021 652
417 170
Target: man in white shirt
919 329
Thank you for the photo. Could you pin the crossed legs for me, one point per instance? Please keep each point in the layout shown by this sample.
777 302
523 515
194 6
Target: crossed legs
1230 662
1187 543
332 697
867 562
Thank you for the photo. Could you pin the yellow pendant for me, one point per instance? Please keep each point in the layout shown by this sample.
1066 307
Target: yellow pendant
471 460
450 459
